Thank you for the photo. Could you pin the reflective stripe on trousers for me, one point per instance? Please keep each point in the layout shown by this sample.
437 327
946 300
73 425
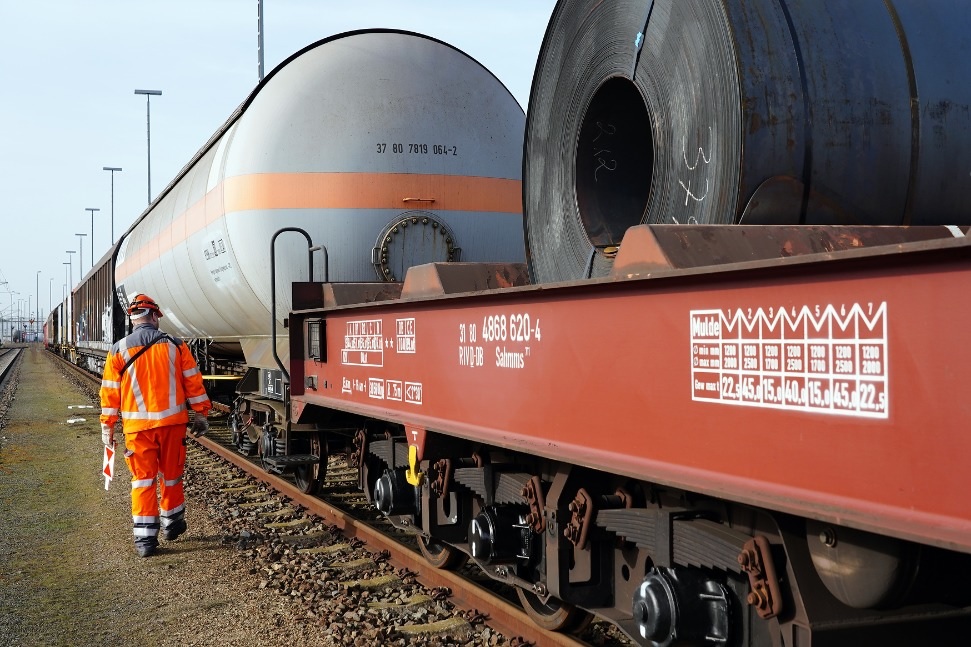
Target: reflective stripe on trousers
151 453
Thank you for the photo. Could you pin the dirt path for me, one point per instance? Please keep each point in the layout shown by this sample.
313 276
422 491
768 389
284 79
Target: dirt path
68 571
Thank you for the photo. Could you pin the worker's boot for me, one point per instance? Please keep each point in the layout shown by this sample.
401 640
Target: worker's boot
146 546
173 530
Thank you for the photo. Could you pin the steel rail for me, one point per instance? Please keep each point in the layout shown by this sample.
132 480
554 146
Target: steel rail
503 616
8 359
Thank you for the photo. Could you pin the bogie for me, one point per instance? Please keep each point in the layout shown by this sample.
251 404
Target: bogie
663 565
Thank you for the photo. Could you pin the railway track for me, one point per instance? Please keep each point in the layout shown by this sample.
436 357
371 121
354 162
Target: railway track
335 555
8 359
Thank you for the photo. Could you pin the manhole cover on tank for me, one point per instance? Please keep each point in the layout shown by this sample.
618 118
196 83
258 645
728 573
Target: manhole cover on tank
413 238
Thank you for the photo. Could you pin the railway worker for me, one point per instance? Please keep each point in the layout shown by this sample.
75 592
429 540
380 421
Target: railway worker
149 378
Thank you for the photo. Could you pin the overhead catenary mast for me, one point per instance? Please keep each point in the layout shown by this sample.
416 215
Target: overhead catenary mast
259 39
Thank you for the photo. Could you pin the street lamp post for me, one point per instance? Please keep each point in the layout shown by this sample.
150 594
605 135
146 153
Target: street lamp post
70 263
148 121
259 40
74 312
81 255
12 320
37 302
62 336
113 169
70 287
92 210
2 320
13 316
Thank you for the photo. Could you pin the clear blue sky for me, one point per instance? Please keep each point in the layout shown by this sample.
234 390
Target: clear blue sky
67 104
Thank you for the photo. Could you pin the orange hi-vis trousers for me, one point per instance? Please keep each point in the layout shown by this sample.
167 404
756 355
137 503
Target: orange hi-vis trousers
150 453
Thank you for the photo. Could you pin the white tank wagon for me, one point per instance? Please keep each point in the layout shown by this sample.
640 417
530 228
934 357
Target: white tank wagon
390 148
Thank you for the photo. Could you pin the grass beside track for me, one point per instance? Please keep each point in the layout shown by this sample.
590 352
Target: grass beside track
56 526
68 571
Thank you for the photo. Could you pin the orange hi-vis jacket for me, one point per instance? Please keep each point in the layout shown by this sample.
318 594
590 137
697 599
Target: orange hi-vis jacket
156 387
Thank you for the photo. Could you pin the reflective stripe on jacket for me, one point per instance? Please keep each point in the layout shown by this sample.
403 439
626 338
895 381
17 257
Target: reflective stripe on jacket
156 387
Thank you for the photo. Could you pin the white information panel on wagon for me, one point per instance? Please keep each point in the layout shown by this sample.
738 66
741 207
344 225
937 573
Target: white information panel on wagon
827 359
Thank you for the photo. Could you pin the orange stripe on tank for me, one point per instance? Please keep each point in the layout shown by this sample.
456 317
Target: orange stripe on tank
268 191
371 191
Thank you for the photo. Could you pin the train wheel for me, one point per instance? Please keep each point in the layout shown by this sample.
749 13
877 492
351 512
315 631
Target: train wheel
368 477
309 478
441 555
240 437
554 615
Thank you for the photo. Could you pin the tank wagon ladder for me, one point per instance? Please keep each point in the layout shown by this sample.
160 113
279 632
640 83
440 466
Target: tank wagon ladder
283 446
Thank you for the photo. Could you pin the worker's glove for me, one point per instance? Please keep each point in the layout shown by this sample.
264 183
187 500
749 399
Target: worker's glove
200 425
107 435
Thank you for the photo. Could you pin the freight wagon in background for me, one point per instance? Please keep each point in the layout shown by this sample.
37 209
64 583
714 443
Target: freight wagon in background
705 432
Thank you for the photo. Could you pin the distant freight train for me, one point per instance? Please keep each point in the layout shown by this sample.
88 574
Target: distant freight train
707 435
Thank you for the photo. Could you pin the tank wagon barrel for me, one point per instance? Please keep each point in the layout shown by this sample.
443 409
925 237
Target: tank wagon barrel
389 147
337 141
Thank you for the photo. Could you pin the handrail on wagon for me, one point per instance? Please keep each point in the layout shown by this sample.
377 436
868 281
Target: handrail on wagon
311 248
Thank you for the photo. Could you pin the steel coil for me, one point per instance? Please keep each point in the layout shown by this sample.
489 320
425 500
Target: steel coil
754 111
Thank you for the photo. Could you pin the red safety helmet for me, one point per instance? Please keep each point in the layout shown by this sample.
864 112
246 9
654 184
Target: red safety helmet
141 305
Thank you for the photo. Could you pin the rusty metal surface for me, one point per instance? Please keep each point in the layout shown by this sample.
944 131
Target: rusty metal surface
541 369
307 295
437 279
647 248
341 294
756 561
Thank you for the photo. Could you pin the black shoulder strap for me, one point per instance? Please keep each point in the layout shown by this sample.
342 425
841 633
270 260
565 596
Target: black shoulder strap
143 349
